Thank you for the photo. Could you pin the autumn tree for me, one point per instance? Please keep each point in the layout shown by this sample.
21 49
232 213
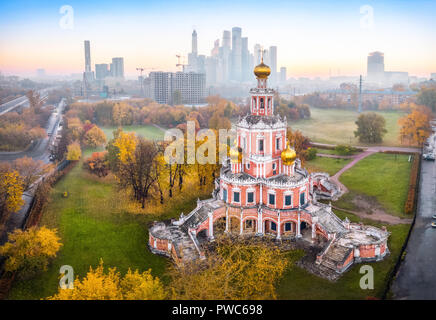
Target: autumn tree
122 114
30 170
97 164
415 127
427 97
94 137
240 270
371 127
74 152
110 285
30 251
11 192
299 142
138 167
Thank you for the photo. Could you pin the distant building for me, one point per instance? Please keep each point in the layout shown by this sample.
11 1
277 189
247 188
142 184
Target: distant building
433 76
101 71
396 77
283 75
88 74
176 88
40 73
236 54
273 63
376 66
117 68
87 56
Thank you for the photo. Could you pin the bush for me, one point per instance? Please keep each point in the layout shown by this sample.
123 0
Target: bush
345 150
311 153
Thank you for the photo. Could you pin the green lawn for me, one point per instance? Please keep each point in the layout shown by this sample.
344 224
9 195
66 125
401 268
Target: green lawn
93 226
146 131
297 283
382 177
335 126
324 164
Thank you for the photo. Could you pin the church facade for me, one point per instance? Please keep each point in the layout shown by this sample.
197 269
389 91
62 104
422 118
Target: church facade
264 191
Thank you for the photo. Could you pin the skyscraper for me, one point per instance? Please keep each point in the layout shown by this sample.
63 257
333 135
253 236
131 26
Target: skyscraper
245 60
273 63
117 67
376 66
87 56
101 71
236 53
257 54
194 42
226 56
89 75
283 75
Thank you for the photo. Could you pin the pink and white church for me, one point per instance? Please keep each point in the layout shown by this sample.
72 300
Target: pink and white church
264 191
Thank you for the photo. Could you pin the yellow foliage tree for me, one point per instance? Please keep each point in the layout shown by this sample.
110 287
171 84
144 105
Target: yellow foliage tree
98 285
415 127
122 114
126 144
30 251
235 271
11 191
74 152
95 137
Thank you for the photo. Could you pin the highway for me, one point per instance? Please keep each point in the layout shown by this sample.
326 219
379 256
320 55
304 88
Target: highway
21 101
39 150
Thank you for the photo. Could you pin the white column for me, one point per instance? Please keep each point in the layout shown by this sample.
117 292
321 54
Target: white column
227 219
241 225
210 226
259 221
278 227
298 224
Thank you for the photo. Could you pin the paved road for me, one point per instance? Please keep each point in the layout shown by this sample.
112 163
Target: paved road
416 278
39 150
21 101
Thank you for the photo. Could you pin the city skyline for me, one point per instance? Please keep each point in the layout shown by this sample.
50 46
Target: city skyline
312 39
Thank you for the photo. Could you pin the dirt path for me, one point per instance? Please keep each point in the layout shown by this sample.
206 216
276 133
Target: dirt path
335 156
378 215
356 159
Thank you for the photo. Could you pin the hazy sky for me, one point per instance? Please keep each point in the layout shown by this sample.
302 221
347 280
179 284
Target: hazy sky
313 38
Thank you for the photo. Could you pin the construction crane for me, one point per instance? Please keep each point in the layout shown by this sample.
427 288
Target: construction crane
140 69
179 63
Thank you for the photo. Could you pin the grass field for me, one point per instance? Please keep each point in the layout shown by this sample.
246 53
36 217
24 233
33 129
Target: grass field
335 126
94 224
146 131
383 177
299 284
324 164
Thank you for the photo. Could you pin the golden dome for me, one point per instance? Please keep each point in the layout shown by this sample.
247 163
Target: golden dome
262 71
236 154
288 156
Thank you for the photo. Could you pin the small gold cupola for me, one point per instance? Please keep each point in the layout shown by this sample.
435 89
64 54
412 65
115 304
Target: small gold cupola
236 154
288 155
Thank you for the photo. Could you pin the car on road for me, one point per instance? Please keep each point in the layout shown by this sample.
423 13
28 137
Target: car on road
433 224
428 156
434 216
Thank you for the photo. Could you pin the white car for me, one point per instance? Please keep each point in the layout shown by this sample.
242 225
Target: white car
428 156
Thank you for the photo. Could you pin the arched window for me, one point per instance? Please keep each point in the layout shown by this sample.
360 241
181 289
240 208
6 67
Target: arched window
254 103
262 104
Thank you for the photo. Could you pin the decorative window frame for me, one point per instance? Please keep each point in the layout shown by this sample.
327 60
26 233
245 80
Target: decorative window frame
246 196
233 195
288 193
273 192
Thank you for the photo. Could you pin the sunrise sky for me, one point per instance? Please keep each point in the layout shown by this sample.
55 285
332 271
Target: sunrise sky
313 37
